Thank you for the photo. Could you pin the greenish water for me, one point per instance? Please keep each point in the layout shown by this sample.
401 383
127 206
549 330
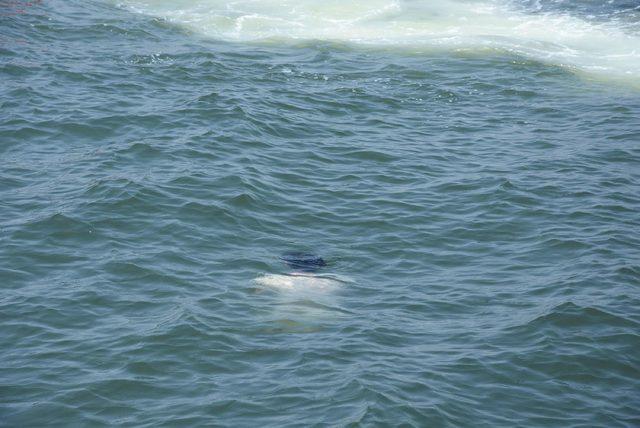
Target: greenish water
477 206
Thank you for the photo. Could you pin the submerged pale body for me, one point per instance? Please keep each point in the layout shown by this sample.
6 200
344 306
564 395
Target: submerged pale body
298 282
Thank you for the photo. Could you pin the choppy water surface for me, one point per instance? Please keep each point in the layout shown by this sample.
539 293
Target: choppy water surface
468 170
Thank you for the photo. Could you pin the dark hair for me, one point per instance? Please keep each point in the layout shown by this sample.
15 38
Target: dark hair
303 261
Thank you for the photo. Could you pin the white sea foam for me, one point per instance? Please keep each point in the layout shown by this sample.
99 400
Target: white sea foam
559 39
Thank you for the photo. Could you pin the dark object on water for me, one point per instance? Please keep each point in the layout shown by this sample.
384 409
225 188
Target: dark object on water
303 261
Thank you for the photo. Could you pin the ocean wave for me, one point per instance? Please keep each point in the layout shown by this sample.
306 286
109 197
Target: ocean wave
552 35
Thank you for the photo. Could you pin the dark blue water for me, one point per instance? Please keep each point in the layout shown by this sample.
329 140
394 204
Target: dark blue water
477 213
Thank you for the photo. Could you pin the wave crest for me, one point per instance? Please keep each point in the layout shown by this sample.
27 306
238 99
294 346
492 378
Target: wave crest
606 47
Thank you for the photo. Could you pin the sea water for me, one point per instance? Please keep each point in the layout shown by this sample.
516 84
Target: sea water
469 171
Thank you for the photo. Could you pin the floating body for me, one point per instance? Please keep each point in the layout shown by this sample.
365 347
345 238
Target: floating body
304 278
299 283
